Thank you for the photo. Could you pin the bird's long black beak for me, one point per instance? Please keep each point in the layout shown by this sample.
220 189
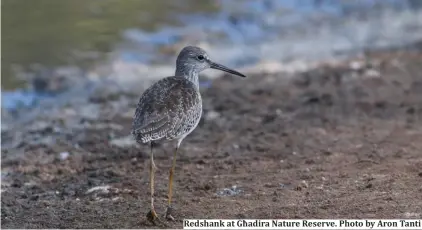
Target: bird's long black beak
214 65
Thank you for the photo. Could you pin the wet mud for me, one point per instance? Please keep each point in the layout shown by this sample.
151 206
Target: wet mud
337 141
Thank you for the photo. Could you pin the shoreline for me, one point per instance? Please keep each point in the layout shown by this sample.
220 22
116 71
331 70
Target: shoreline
94 86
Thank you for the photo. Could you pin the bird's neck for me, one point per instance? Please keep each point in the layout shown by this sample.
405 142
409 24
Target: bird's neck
190 75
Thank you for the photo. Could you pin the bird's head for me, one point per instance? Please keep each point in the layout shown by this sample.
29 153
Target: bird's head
195 59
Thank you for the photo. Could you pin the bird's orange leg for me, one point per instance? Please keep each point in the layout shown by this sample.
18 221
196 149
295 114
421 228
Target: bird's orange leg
152 215
170 191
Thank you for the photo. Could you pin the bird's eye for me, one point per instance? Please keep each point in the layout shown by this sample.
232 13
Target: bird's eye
201 57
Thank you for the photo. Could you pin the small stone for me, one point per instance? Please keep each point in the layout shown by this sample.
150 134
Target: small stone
212 115
64 155
283 185
356 65
123 142
102 189
29 184
230 191
412 215
268 185
372 73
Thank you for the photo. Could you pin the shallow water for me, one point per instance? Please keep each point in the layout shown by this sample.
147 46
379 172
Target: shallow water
48 34
78 32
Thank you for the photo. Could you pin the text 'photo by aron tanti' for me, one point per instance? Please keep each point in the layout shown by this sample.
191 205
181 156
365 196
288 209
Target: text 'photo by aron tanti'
346 224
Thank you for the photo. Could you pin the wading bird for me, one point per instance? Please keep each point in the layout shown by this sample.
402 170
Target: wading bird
171 109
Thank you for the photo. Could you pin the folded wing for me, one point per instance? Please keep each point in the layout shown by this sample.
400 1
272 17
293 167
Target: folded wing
163 109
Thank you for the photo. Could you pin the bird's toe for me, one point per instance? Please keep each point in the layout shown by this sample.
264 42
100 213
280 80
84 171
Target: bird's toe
152 216
168 214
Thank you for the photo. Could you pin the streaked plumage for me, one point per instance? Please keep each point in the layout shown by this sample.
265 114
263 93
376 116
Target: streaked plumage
171 109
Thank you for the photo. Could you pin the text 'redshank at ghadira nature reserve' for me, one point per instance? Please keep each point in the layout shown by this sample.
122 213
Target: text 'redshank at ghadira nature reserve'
303 223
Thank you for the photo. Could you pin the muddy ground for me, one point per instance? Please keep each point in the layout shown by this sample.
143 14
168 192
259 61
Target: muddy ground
342 141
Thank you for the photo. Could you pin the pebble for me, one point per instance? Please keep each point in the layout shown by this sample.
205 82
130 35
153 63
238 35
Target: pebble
123 142
234 190
304 184
372 73
212 115
64 155
102 189
356 65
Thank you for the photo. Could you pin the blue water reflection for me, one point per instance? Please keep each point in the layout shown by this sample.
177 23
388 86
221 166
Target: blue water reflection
238 22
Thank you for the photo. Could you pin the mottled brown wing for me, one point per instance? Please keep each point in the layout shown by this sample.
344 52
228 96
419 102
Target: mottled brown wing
162 107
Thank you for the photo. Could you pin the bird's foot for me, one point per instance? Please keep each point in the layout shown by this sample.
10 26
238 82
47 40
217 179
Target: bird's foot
168 213
152 216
